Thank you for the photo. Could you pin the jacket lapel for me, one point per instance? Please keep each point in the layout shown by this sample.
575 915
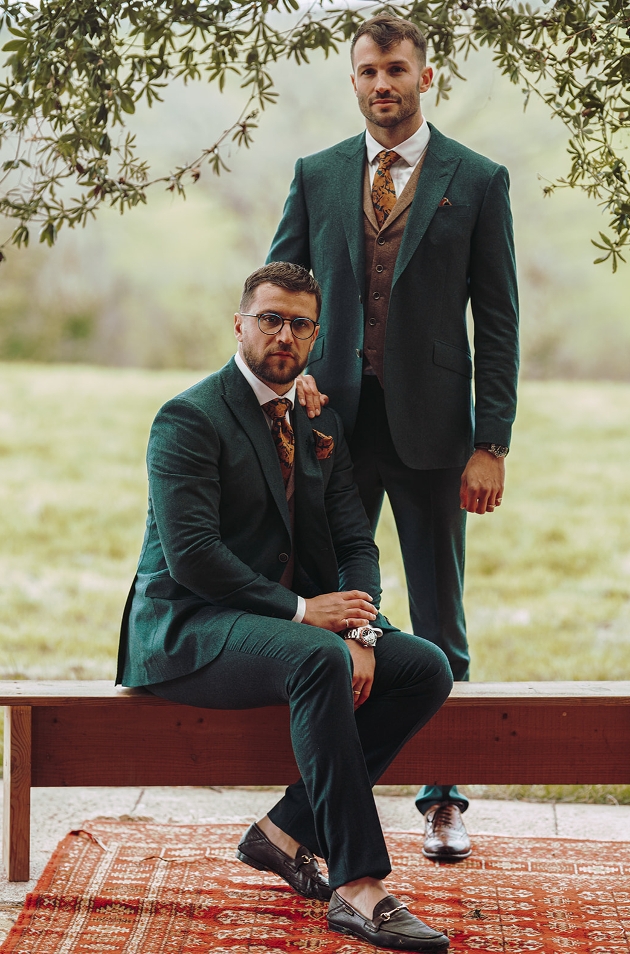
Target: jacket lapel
244 406
316 554
349 180
438 170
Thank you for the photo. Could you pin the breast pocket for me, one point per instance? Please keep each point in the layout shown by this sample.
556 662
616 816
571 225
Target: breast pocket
450 224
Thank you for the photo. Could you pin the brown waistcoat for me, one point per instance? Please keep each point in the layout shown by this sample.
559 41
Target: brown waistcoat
381 252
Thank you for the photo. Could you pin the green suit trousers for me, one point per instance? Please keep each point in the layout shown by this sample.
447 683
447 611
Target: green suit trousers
340 753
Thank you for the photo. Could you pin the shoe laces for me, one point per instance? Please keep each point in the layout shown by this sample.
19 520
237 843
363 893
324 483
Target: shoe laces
444 816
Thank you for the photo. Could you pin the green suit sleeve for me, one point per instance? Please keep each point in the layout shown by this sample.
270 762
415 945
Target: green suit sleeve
494 303
185 490
355 550
291 241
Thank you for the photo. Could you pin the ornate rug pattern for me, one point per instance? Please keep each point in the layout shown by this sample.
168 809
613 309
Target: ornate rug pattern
140 888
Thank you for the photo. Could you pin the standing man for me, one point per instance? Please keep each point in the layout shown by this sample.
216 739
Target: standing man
403 227
258 585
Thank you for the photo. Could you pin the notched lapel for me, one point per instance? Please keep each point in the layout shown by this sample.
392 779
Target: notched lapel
437 172
349 175
311 521
242 402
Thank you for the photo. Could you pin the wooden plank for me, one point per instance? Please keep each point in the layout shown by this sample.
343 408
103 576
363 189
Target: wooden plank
181 745
519 744
166 745
17 792
100 692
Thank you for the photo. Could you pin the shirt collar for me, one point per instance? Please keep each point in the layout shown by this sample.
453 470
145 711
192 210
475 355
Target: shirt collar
261 390
410 150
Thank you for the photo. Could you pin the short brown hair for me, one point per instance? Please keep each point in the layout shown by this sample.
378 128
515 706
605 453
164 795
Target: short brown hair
387 30
285 275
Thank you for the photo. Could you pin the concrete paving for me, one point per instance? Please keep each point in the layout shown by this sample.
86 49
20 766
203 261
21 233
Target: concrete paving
57 811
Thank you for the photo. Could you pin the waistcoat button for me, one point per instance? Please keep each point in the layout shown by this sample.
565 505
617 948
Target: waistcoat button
376 296
283 557
381 240
372 321
379 269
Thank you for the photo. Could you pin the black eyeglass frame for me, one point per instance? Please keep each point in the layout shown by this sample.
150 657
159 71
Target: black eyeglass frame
273 314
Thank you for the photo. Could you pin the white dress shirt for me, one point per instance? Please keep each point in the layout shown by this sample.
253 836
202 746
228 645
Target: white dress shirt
410 152
263 395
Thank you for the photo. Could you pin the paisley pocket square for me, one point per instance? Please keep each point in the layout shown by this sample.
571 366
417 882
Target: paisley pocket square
324 445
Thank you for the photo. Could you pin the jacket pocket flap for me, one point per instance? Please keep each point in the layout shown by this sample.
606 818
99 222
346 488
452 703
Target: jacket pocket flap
455 359
162 586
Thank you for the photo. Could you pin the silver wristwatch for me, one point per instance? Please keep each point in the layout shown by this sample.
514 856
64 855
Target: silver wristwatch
365 635
499 450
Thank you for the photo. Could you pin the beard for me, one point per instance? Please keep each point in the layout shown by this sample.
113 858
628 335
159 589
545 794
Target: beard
280 372
409 104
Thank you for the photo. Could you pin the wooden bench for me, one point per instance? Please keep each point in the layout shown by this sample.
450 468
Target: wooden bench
88 733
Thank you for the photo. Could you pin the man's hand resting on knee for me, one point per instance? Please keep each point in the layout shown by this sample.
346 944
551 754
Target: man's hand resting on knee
339 611
363 665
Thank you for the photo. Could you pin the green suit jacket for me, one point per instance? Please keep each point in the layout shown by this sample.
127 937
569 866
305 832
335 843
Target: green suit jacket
218 528
450 254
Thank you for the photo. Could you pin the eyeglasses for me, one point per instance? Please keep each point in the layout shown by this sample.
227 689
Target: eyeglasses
270 324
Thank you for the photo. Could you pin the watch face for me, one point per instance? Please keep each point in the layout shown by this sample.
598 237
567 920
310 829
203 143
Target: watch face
369 639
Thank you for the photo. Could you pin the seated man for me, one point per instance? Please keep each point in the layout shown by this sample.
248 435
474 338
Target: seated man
258 585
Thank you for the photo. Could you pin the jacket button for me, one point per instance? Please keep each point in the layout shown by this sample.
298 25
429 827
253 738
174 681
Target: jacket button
376 296
360 299
381 240
359 353
379 269
283 557
372 321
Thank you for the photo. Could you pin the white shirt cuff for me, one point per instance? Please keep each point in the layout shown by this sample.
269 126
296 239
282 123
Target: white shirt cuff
300 612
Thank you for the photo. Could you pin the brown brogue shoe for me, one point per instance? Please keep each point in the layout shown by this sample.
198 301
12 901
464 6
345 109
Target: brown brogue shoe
445 835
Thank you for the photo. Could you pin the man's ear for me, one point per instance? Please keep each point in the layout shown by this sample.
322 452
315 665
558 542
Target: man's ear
238 327
426 78
354 83
314 338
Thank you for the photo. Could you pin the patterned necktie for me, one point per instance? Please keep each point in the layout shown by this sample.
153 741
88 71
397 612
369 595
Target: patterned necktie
282 434
383 192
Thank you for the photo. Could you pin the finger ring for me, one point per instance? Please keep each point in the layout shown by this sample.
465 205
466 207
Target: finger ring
356 692
347 623
499 499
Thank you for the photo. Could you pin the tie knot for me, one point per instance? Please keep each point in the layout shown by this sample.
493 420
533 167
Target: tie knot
277 408
387 158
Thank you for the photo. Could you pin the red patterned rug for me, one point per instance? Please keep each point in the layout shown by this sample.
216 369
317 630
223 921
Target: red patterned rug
140 888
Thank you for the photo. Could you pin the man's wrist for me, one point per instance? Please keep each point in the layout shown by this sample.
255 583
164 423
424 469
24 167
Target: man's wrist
497 450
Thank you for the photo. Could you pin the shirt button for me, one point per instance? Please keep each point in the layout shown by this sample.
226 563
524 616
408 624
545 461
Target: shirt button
381 240
376 296
372 321
379 269
283 557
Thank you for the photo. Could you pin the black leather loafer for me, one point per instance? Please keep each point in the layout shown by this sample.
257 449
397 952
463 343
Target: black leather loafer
301 872
392 925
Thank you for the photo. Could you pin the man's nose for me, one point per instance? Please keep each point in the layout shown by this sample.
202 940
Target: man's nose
382 83
285 335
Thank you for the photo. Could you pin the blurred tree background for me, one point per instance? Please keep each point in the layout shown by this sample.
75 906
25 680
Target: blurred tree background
157 287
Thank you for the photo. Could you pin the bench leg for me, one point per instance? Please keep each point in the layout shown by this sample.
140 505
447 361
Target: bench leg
17 792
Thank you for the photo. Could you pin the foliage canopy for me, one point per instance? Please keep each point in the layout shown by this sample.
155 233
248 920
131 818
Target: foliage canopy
76 69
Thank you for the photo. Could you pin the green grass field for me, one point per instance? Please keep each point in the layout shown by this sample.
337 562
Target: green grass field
548 577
